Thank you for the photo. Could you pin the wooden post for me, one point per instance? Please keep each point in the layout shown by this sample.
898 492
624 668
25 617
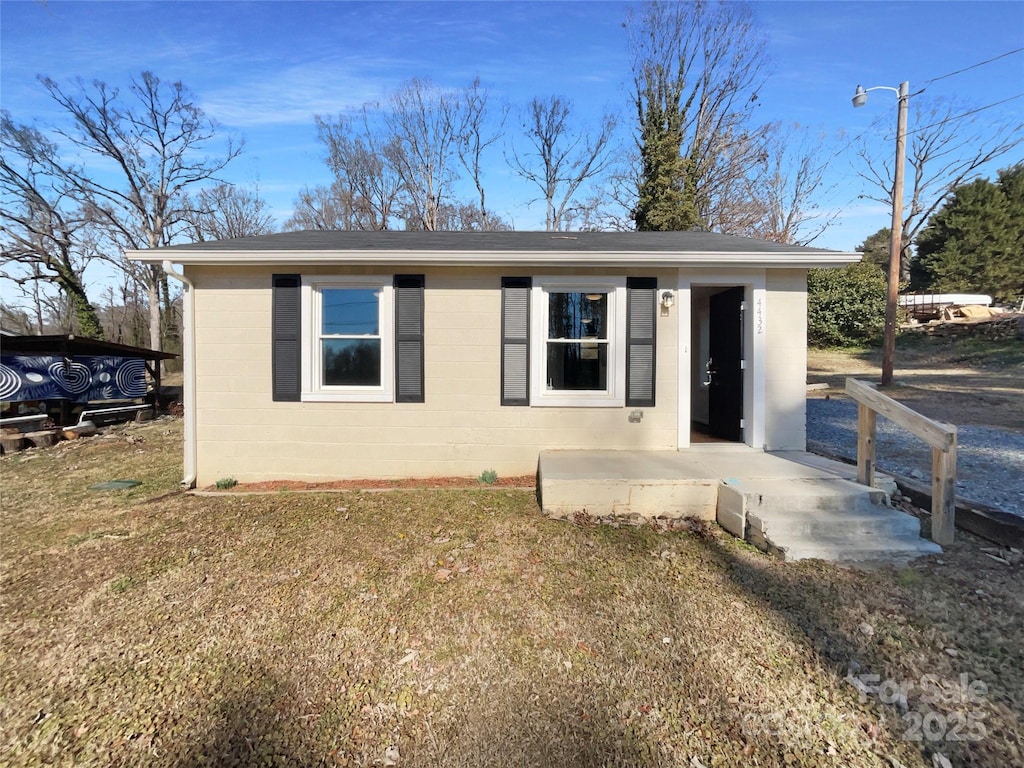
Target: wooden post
895 237
941 437
866 421
944 494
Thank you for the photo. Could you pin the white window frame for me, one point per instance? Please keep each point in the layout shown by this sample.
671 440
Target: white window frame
615 395
312 362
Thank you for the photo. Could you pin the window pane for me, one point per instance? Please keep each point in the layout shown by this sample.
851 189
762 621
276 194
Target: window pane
579 366
577 315
351 362
351 311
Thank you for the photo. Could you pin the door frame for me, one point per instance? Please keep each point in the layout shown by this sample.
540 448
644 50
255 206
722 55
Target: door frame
754 332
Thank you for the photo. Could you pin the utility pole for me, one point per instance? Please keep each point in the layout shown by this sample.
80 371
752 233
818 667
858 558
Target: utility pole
896 239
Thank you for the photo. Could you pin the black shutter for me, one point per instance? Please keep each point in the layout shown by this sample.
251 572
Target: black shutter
285 345
641 325
515 340
409 338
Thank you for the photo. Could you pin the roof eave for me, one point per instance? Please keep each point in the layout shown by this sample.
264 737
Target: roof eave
645 259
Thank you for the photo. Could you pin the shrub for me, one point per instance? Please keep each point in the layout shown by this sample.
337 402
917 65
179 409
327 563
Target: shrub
226 483
488 477
845 306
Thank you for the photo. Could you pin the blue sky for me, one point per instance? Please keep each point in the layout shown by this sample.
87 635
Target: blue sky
263 69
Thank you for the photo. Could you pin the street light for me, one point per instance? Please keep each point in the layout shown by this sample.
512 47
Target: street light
860 98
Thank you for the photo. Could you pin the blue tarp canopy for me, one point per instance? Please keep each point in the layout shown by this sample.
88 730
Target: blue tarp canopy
76 369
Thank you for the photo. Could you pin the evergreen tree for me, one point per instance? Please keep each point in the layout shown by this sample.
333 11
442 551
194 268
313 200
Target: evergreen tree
697 68
975 242
875 249
665 202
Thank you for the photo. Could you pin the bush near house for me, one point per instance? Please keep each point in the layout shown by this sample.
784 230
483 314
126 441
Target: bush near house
845 306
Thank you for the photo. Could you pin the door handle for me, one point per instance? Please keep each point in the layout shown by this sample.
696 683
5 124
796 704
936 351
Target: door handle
709 372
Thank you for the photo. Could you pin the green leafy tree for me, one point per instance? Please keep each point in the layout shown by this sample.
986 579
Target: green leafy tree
875 249
975 242
845 306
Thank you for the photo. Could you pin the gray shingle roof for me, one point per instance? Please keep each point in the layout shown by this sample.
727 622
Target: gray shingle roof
496 242
415 250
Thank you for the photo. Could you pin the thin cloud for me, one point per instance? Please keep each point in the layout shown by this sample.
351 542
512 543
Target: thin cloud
290 97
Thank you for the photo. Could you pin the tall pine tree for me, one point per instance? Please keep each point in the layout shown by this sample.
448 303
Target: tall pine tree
975 242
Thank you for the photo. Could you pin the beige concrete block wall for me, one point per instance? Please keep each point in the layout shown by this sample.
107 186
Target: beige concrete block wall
460 430
786 353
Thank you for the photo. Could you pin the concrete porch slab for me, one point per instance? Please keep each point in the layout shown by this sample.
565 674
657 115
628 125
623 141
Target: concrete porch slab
665 483
791 504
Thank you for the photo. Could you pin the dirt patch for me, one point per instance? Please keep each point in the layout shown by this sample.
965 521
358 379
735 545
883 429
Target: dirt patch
960 381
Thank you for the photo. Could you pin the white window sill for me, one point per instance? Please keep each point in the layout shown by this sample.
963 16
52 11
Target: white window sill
348 397
566 400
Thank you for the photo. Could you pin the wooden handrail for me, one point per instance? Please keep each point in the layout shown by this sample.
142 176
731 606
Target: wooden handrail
940 436
935 433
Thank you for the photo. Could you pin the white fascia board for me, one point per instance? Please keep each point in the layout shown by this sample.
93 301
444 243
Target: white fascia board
622 259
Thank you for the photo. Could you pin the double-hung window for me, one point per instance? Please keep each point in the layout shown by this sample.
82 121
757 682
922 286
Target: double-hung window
578 349
348 325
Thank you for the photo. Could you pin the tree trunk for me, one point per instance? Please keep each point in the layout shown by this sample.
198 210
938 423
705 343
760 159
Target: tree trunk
153 297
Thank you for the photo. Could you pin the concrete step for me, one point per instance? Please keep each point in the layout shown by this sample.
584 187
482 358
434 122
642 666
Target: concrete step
863 554
812 493
827 518
881 521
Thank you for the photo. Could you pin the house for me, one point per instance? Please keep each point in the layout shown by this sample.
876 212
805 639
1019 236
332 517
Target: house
329 355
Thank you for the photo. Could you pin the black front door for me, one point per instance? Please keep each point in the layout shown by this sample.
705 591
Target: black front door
725 347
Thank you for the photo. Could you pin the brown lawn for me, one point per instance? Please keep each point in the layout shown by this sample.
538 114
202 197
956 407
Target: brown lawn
462 628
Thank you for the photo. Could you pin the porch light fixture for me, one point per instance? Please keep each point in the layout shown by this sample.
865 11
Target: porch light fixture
667 299
860 98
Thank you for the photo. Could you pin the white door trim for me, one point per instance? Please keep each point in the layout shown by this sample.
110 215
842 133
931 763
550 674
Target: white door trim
755 321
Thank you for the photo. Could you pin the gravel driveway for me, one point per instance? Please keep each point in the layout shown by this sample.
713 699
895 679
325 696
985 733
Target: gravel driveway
990 461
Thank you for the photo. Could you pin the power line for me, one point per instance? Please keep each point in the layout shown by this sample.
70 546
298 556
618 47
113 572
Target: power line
974 66
965 114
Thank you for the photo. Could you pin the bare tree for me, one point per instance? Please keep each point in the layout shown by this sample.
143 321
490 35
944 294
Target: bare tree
322 209
423 124
476 137
401 158
44 236
227 211
152 143
949 145
19 321
466 217
697 68
561 158
786 187
124 313
367 182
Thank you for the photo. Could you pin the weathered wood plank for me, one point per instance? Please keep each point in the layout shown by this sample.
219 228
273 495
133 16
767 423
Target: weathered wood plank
944 494
941 437
866 424
935 433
